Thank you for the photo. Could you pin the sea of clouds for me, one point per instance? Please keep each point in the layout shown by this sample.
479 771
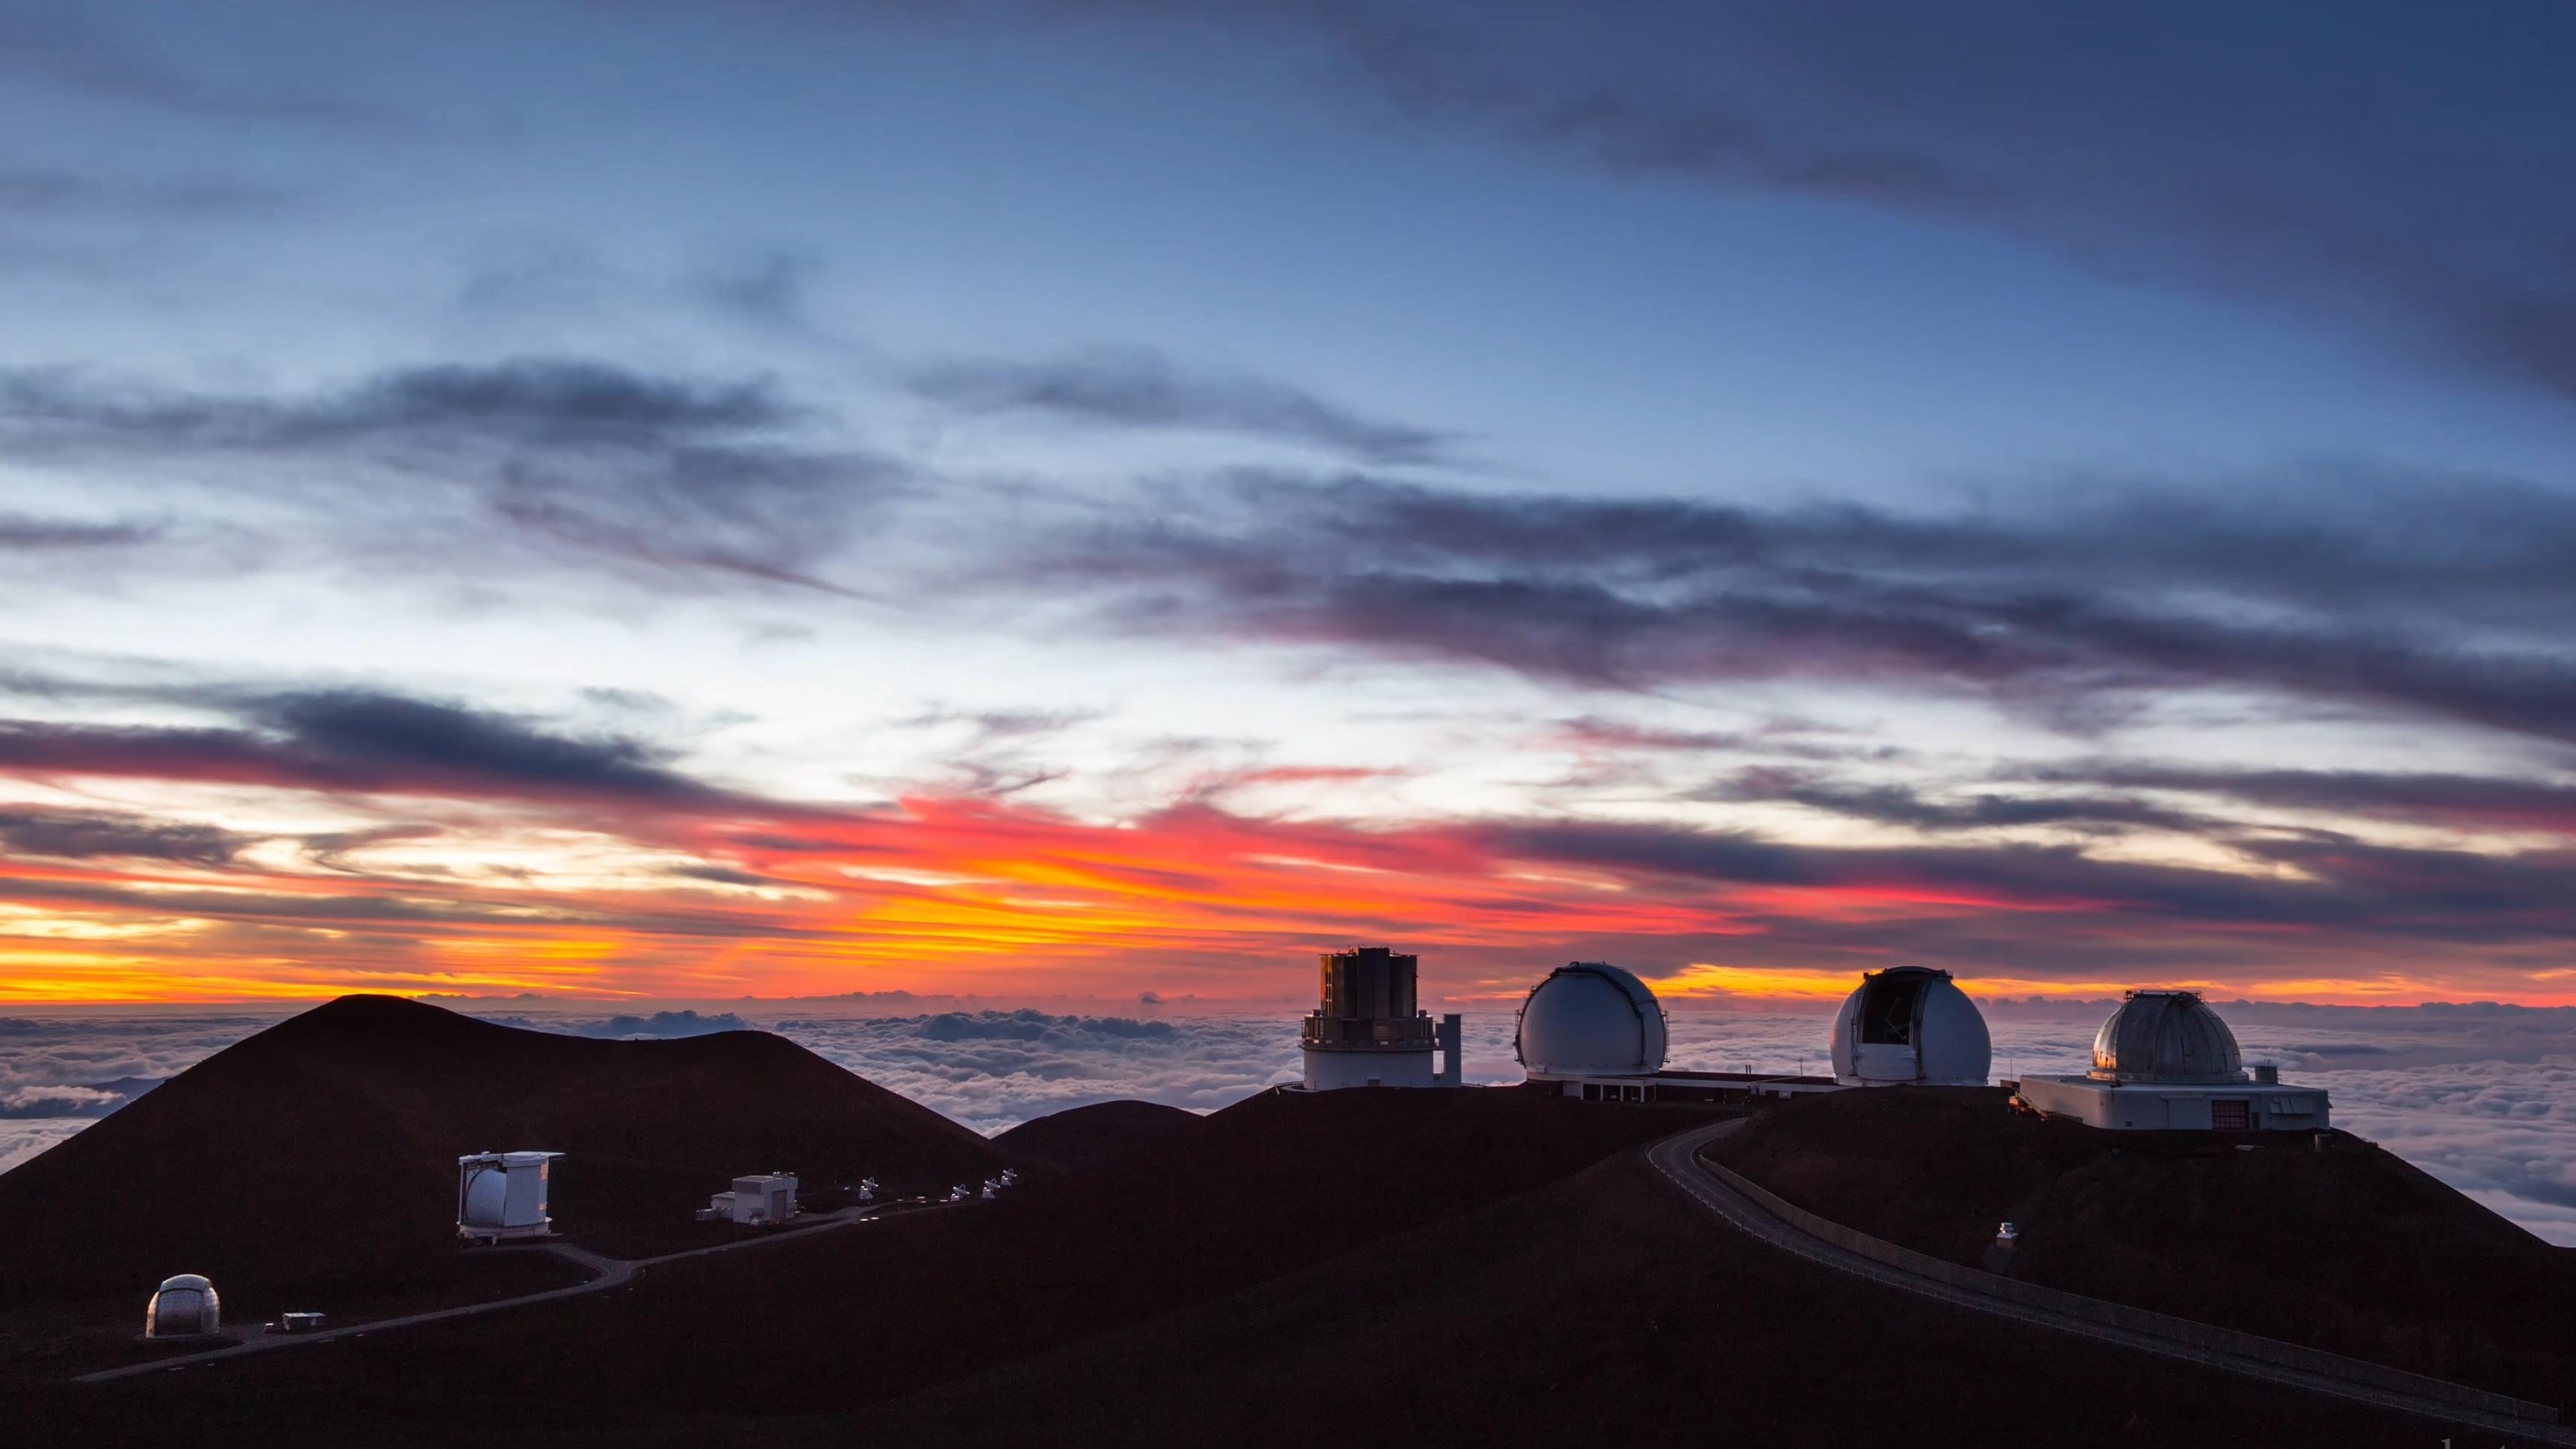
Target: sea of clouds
2482 1097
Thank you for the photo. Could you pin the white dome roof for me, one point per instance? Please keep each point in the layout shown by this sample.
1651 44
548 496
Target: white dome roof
184 1306
1589 1018
2166 1036
1911 1024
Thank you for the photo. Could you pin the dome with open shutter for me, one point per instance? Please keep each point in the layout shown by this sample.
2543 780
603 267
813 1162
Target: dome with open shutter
1911 1025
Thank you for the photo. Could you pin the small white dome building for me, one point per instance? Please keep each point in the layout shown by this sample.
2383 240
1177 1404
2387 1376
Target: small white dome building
185 1306
1589 1018
1911 1026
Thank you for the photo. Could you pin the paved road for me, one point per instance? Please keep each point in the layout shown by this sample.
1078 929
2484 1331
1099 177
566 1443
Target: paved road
1677 1158
607 1273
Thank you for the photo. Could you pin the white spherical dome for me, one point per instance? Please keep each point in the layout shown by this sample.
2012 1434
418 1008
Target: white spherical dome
184 1306
1589 1018
1911 1024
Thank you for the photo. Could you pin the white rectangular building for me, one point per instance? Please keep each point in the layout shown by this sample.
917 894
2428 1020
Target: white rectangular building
768 1197
2254 1106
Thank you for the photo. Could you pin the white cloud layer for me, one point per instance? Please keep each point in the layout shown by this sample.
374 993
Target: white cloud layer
2483 1098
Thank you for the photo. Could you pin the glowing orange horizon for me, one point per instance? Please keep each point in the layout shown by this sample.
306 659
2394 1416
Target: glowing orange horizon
950 895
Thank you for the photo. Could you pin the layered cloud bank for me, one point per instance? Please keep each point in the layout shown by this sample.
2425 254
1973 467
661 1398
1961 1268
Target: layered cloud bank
2102 524
2483 1098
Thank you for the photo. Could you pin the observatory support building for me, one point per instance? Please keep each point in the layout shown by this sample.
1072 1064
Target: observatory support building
1367 1032
2165 1062
767 1197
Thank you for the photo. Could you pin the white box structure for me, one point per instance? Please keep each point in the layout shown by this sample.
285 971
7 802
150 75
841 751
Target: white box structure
768 1197
503 1195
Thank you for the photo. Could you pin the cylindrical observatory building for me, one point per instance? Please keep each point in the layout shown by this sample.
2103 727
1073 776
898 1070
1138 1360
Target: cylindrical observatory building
1367 1032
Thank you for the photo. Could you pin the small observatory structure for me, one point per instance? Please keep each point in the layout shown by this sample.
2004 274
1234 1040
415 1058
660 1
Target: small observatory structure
1911 1026
184 1306
768 1197
2164 1061
501 1195
1367 1031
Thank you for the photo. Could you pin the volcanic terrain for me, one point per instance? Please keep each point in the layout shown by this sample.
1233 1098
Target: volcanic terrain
318 1158
1481 1266
2339 1245
1095 1135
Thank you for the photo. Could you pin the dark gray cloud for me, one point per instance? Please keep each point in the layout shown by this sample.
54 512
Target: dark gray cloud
2461 898
27 533
32 192
2375 168
524 401
1906 806
467 467
367 742
81 835
992 725
54 44
2445 598
2469 802
1135 388
1788 738
771 289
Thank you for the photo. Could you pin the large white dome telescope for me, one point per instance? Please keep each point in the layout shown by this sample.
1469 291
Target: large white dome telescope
1589 1018
1911 1025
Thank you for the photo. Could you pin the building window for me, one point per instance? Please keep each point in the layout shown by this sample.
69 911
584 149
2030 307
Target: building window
2231 1115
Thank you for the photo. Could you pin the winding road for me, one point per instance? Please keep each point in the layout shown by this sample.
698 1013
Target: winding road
607 1273
1677 1160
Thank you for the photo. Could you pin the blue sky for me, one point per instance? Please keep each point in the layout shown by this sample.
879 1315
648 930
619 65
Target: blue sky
2016 465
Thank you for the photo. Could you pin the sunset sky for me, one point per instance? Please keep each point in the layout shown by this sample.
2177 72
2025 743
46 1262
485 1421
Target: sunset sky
693 499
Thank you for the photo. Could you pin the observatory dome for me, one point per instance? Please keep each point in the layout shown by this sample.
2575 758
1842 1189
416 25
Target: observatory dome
2166 1036
184 1306
1910 1024
1590 1018
487 1198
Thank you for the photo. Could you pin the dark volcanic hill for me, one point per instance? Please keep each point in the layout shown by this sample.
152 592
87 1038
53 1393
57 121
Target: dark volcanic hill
1103 1132
321 1154
1600 1310
1264 1188
1381 1267
2349 1249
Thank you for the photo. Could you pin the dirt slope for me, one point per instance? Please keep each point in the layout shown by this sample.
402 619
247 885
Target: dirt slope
1265 1188
2350 1249
320 1155
1095 1135
1597 1309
